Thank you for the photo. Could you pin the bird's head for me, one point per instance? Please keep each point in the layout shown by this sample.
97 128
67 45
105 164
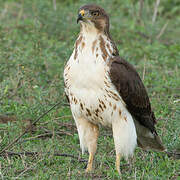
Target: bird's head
93 16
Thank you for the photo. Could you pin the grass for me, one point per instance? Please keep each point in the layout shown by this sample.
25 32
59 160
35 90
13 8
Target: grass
35 42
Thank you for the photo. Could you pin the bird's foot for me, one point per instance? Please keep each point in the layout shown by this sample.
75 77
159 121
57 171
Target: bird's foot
118 157
90 163
88 169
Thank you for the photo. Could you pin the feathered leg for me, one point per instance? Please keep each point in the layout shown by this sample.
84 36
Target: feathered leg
124 134
88 135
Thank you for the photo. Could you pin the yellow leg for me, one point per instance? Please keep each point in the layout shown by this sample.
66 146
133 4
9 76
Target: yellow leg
118 157
90 163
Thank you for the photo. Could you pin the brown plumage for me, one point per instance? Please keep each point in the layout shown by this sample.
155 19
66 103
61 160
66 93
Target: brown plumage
132 90
103 88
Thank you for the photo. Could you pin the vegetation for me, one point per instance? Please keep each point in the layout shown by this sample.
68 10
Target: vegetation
36 39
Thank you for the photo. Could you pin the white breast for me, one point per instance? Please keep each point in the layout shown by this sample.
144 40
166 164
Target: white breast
89 68
92 95
86 78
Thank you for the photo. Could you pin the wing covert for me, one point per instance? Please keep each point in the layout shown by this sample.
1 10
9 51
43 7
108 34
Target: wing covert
132 90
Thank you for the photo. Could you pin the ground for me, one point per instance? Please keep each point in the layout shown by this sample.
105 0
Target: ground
36 39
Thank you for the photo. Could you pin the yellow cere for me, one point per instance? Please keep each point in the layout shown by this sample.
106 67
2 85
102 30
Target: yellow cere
82 12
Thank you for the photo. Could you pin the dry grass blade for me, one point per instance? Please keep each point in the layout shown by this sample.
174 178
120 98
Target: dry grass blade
175 155
162 31
57 132
144 69
141 8
54 5
27 129
27 153
28 168
155 11
6 119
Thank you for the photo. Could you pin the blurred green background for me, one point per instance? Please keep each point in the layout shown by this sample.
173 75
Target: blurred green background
36 40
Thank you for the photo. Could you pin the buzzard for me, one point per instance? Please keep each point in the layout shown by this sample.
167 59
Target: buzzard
104 89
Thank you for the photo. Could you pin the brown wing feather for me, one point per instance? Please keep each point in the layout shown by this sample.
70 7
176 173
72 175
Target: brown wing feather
129 85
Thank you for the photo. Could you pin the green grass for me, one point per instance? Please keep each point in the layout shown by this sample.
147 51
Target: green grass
35 42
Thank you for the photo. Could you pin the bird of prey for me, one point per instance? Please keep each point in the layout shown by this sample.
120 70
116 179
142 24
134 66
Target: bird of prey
104 89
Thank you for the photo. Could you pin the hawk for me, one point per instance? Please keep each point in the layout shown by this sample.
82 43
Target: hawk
104 89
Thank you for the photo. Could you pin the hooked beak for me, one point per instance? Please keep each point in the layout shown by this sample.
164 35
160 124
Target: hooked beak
80 15
80 18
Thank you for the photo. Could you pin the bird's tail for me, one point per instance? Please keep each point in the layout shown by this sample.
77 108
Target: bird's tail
148 140
150 143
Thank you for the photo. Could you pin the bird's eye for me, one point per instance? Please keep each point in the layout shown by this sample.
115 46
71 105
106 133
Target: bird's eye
95 13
